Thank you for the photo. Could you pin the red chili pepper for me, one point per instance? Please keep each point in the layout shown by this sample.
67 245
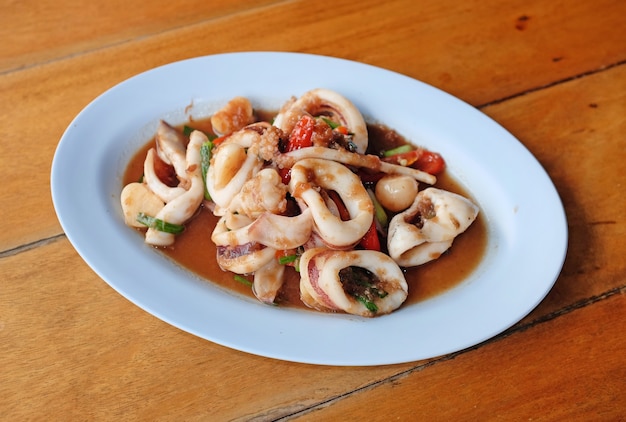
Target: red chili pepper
430 162
302 134
342 129
285 175
219 140
371 241
165 172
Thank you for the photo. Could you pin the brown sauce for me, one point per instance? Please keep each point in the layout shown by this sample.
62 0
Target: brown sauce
195 251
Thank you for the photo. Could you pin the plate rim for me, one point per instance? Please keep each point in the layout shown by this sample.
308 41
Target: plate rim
78 242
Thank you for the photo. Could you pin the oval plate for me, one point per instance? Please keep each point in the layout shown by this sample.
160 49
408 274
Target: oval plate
517 199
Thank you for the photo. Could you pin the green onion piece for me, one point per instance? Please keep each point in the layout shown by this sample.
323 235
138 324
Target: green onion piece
371 306
295 258
242 280
398 150
333 125
287 259
160 225
379 212
187 130
205 156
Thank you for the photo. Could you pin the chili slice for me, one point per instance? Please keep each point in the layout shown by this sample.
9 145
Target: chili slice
371 241
302 134
430 162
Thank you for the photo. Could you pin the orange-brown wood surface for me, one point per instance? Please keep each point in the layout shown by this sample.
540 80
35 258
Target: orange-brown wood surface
552 73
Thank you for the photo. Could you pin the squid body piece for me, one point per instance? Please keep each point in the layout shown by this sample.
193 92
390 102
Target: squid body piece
324 102
244 259
276 231
184 206
359 282
427 229
310 174
137 198
267 281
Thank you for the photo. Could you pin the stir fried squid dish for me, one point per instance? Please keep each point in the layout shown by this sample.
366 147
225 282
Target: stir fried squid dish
302 191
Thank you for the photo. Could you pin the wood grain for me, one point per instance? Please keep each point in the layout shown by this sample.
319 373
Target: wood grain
571 366
575 131
70 345
411 40
40 31
553 73
80 350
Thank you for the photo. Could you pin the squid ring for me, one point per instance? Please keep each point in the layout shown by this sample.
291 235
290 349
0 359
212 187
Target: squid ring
359 282
324 102
308 175
231 166
428 227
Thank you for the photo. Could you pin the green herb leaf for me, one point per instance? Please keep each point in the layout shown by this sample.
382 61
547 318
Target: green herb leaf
333 125
242 280
160 225
205 156
398 150
287 259
371 306
379 212
187 130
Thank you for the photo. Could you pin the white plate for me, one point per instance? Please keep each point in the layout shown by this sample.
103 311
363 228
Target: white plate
525 217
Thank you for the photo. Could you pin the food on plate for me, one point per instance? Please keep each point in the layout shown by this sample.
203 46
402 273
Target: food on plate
358 282
427 228
304 192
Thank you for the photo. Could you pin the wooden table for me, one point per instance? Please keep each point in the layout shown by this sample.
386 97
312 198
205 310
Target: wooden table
553 73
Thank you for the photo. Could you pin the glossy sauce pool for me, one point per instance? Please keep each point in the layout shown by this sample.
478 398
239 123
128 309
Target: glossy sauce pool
195 251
